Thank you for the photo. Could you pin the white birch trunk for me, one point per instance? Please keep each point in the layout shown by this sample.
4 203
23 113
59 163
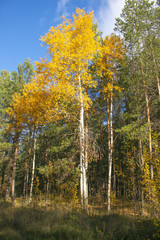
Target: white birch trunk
83 178
86 162
14 166
110 155
33 164
14 172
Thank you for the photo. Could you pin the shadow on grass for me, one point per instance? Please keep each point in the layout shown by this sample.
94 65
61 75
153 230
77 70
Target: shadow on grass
41 224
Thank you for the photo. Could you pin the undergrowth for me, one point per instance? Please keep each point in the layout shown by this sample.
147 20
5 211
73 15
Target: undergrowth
65 222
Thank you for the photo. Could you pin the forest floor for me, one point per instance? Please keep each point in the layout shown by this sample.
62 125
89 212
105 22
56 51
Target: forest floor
46 220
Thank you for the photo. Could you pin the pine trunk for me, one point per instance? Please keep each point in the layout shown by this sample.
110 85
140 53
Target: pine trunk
4 166
156 71
142 169
148 112
9 180
25 186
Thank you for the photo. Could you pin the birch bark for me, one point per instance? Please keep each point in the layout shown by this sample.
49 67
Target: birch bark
83 178
110 144
14 167
33 164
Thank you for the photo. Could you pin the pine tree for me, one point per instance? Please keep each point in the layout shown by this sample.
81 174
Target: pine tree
137 25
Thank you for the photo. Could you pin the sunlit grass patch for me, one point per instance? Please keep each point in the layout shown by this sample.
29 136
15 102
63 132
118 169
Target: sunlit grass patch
61 222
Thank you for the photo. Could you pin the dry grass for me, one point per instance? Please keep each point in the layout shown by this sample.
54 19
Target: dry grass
59 220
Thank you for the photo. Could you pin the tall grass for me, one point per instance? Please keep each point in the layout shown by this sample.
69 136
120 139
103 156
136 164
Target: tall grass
65 221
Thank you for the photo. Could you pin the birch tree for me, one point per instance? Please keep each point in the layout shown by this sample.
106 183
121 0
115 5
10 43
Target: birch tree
72 46
112 52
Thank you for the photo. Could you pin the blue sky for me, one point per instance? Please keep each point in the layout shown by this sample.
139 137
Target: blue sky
22 22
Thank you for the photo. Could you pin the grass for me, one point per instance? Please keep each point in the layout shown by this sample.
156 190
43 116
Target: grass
66 222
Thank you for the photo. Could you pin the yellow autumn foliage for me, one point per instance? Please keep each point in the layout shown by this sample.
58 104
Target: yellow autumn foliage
112 52
71 47
55 91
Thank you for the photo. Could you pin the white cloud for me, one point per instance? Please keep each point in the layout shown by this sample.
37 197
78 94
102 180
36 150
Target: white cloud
62 7
108 11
